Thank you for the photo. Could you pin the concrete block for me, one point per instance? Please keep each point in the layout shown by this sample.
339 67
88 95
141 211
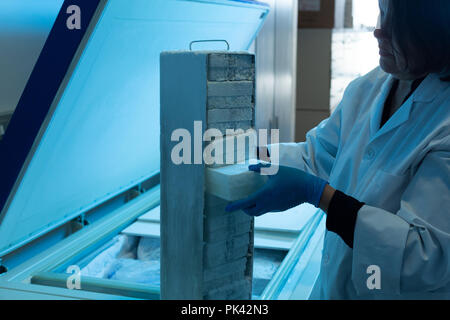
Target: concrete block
220 225
230 88
233 182
231 74
230 115
231 67
225 233
228 220
231 102
216 283
224 126
215 206
234 291
232 249
224 270
234 60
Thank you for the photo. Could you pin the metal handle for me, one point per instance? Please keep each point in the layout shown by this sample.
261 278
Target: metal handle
200 41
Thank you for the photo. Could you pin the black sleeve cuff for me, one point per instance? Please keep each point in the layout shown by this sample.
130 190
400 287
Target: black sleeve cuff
342 214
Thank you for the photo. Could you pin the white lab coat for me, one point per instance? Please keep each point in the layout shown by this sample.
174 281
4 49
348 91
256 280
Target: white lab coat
402 173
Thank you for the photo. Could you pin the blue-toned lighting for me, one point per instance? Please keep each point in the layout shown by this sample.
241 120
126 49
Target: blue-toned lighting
26 15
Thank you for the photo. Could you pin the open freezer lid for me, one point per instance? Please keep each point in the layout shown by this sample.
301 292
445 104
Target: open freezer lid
87 125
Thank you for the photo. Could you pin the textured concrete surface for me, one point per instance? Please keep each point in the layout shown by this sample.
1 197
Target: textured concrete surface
227 220
230 278
234 290
224 126
225 270
221 234
222 252
235 67
228 115
230 88
231 102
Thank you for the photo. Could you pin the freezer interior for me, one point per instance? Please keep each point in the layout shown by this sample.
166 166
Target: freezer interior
286 258
136 260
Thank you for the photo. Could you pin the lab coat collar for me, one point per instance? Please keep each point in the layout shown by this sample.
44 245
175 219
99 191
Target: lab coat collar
427 91
378 106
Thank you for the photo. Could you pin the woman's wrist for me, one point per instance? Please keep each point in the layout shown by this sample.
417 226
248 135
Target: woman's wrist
327 195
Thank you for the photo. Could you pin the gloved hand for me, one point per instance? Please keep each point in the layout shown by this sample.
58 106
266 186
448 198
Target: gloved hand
288 188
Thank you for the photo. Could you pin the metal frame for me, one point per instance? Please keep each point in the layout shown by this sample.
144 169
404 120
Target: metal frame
276 64
297 268
20 291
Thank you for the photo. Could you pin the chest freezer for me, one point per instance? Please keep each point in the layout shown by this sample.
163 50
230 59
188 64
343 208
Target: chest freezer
79 162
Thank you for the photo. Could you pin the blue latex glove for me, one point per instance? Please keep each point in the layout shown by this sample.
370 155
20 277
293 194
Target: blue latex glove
288 188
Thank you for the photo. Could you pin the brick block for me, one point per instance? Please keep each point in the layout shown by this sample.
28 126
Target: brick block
224 270
230 88
225 233
218 253
228 220
234 60
230 102
236 125
236 290
230 115
216 283
224 74
231 67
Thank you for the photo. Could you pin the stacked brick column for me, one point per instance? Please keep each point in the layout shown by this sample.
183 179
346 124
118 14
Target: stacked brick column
216 247
228 253
231 83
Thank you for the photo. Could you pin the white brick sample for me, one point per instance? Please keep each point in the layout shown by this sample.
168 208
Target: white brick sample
233 182
230 149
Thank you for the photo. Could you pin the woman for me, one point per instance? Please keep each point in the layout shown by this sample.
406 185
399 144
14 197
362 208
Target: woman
380 167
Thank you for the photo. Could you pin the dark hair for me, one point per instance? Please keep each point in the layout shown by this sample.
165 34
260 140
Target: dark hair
421 28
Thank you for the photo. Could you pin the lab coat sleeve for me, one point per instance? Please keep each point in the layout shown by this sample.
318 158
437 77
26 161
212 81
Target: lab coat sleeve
411 247
317 154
